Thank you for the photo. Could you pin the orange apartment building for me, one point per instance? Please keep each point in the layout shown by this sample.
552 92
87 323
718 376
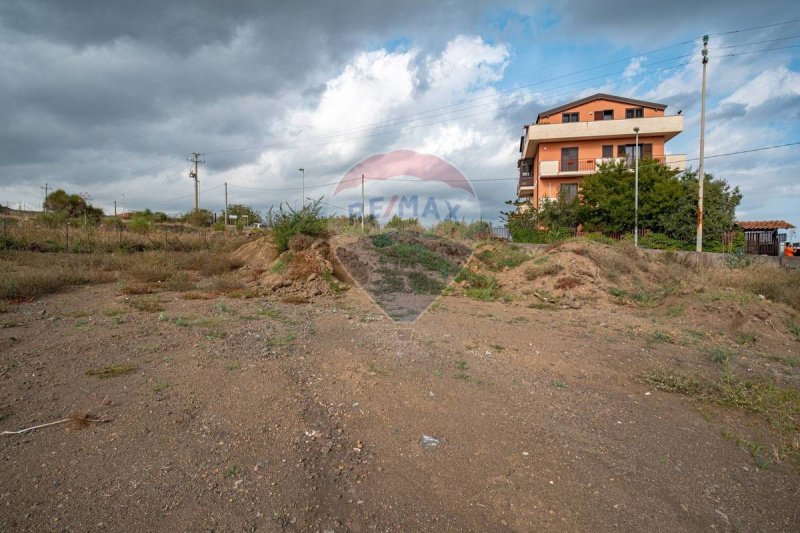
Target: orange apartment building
571 141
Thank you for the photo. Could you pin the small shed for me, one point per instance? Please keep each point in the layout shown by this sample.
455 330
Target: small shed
761 236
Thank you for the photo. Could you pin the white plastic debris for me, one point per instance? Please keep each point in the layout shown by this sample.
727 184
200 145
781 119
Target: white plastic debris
428 441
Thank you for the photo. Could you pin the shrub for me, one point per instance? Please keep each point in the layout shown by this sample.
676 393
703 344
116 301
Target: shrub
301 242
537 271
404 224
141 223
660 241
502 256
479 229
287 222
478 286
382 240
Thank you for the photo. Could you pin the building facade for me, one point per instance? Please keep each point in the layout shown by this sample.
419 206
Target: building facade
571 141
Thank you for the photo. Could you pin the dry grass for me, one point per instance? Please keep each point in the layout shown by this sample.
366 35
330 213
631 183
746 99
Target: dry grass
197 295
148 305
112 371
776 284
27 284
137 288
305 263
225 283
568 282
535 271
179 282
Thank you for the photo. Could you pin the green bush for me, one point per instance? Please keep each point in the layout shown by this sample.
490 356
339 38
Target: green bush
382 240
404 224
660 241
287 222
478 286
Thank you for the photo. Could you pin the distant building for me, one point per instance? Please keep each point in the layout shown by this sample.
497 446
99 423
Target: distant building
764 237
570 141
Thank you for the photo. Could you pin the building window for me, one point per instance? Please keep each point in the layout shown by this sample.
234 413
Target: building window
569 159
569 117
608 151
634 112
628 151
568 191
607 114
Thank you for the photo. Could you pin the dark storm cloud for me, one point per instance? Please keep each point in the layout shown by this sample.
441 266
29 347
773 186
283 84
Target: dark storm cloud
157 78
634 22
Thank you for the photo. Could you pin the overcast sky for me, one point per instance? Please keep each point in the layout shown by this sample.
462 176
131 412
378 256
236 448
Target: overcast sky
109 97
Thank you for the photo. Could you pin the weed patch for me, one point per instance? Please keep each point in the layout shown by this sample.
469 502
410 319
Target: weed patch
478 286
112 371
148 305
541 269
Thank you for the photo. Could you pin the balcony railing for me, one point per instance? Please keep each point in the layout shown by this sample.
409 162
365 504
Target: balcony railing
526 182
588 166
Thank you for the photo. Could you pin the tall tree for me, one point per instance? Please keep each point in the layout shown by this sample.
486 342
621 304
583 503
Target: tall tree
241 210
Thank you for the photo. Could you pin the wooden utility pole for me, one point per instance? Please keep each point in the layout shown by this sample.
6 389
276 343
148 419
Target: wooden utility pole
195 158
46 188
362 203
226 204
701 173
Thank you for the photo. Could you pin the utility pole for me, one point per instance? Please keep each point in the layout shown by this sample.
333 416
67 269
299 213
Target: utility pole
362 203
123 205
115 208
46 188
636 193
701 174
195 158
226 204
303 172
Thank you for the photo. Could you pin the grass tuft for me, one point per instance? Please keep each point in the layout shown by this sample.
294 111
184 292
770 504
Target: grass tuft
113 371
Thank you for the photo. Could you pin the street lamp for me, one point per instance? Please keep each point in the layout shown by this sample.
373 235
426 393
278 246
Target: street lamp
636 191
303 172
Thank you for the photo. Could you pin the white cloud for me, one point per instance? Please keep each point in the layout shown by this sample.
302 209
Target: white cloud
767 86
634 67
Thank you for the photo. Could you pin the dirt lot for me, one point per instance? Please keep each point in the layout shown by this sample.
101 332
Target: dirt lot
547 404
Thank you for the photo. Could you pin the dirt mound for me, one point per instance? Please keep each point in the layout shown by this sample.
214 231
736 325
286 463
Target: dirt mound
296 276
573 274
403 272
259 253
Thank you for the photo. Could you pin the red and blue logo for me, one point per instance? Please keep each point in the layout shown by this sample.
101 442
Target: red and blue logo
408 184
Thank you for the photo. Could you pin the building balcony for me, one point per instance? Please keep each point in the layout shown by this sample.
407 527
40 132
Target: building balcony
581 167
667 127
525 187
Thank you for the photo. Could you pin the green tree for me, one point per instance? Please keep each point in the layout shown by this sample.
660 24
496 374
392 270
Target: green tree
241 211
667 202
198 217
71 205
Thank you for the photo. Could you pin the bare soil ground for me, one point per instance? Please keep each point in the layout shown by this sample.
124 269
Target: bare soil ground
549 408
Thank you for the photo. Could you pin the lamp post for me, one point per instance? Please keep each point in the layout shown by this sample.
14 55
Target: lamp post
303 172
636 191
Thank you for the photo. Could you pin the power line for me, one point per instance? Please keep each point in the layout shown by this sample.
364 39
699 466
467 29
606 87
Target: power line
473 180
314 140
742 30
413 116
759 51
755 42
